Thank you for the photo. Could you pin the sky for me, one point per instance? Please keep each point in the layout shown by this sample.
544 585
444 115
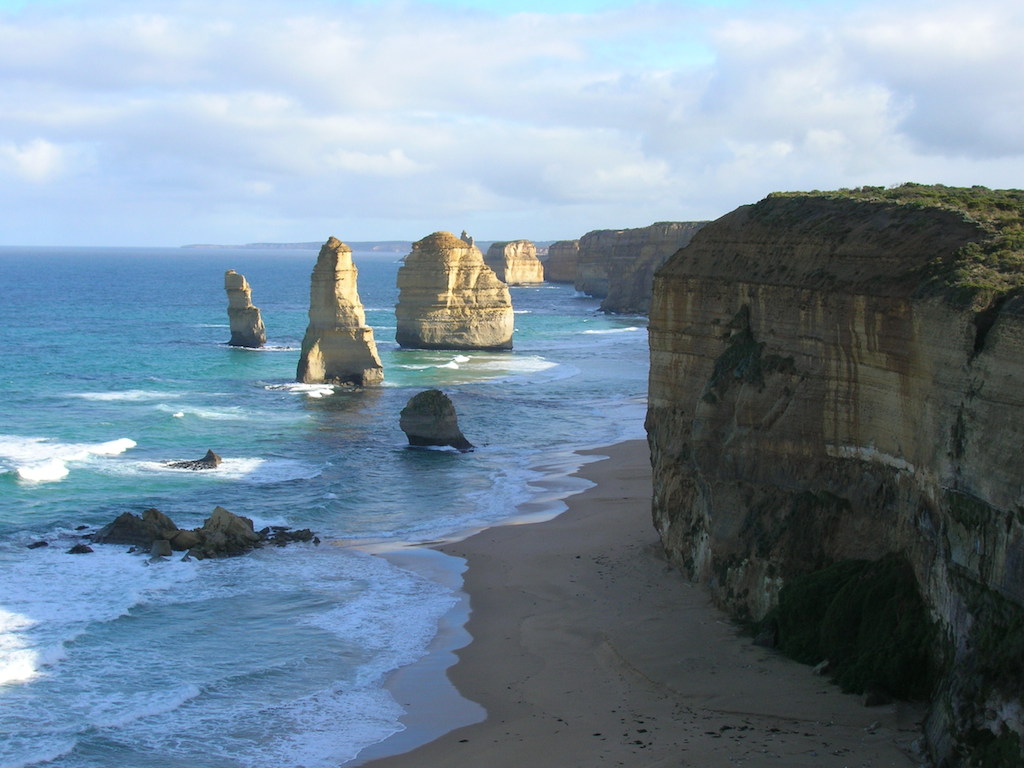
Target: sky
167 122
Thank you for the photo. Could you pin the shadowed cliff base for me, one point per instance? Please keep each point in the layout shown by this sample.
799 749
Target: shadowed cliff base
835 378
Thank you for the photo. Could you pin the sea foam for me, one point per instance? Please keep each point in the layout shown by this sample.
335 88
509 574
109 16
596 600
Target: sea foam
42 460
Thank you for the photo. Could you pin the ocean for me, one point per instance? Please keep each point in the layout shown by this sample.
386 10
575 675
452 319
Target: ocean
115 362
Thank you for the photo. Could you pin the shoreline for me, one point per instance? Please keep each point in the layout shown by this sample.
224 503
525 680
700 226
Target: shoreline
578 645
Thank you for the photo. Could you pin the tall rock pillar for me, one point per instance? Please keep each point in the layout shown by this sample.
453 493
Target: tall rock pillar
448 298
246 324
338 347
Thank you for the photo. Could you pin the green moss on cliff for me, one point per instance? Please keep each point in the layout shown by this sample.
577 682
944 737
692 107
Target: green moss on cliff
979 272
867 619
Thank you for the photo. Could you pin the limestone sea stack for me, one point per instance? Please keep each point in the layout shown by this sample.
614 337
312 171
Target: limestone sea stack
338 347
246 323
515 263
429 419
448 298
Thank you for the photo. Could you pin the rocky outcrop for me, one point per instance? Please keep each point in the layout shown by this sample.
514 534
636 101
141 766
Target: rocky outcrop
429 419
618 265
246 323
222 534
560 266
448 298
836 378
210 461
515 263
338 347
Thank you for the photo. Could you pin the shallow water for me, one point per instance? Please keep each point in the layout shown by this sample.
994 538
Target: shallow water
114 363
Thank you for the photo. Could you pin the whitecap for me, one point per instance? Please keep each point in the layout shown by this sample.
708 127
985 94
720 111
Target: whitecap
42 460
298 388
130 395
631 329
255 470
45 472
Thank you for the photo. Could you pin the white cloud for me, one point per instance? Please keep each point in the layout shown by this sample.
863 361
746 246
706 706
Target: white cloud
36 161
271 120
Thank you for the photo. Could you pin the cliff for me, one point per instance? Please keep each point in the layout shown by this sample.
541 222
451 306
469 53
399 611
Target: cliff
246 323
338 347
560 266
617 265
448 298
515 263
835 378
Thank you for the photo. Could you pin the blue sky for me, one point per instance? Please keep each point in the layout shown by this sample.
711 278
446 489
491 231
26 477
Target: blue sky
176 121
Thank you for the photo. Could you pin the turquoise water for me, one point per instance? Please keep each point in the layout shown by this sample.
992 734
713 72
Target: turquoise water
114 362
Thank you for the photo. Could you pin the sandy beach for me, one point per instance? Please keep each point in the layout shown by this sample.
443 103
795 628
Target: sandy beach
587 649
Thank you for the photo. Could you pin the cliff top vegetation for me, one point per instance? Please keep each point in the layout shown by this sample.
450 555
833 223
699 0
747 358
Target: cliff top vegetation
979 272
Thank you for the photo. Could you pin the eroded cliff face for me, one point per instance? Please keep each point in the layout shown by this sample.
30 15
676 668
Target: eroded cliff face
813 399
448 298
560 266
617 265
515 262
338 347
244 319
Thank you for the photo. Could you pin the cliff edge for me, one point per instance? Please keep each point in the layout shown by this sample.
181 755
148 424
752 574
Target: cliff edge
836 379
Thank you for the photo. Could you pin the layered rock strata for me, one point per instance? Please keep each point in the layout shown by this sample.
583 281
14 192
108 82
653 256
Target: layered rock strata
515 263
448 298
429 418
617 265
244 319
560 266
837 378
338 347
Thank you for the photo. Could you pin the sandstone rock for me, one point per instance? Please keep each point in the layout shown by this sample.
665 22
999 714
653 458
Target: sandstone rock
824 387
224 534
618 266
210 461
338 347
560 266
429 419
136 531
515 263
246 323
160 548
450 299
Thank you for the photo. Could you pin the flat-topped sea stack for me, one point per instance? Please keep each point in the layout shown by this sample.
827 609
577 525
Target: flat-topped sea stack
246 323
836 422
338 347
515 262
448 298
617 265
560 266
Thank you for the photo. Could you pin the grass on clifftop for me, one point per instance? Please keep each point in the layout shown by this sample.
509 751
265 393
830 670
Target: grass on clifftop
980 272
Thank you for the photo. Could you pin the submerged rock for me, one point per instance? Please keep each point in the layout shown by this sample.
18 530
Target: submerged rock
210 461
450 299
246 323
338 347
429 419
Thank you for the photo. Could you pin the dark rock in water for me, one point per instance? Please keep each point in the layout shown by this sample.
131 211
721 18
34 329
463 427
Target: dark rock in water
223 534
160 548
80 549
135 530
81 527
38 544
429 419
210 461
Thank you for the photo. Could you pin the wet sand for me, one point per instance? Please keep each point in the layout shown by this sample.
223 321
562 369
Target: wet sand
588 649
